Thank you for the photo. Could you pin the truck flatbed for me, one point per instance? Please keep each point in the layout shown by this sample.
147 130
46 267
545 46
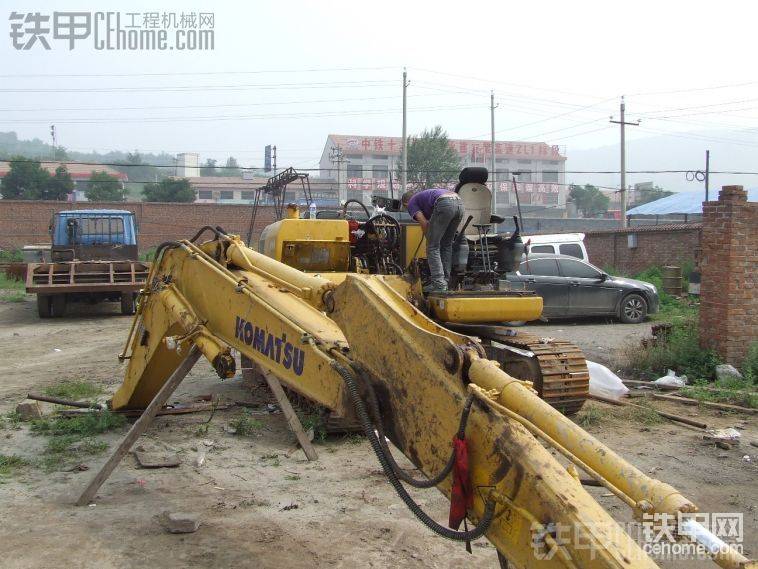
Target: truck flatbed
86 276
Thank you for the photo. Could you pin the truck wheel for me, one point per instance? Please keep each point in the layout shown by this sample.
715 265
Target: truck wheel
633 309
44 306
59 305
128 303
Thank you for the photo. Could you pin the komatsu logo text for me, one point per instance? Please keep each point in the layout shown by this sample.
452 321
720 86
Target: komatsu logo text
277 348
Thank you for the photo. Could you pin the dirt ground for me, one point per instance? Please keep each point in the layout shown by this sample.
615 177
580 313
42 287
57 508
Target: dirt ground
262 504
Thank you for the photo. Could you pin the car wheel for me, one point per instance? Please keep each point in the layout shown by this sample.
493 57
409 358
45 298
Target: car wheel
633 309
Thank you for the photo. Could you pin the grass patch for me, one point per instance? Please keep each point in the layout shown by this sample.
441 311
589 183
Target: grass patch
11 256
292 477
671 307
732 391
591 415
83 425
316 422
148 255
75 390
7 283
645 414
750 365
245 425
679 351
71 438
10 463
11 421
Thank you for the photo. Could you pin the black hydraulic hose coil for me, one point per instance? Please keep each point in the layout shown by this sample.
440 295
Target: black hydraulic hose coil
360 408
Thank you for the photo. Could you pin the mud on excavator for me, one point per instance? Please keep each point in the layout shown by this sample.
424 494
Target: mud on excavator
334 309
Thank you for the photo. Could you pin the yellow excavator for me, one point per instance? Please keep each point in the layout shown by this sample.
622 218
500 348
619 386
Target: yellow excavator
328 307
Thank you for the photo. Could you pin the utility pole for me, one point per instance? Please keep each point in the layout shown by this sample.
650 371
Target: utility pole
404 171
492 155
707 171
623 158
337 157
52 134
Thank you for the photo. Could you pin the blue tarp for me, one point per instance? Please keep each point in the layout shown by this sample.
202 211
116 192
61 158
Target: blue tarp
682 202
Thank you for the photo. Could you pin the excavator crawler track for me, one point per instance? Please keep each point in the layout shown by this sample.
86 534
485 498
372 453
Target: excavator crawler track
558 369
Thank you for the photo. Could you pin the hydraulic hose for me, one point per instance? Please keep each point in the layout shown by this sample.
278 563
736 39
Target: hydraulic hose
399 472
360 408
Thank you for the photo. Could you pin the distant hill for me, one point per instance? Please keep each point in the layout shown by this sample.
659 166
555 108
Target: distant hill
730 150
10 145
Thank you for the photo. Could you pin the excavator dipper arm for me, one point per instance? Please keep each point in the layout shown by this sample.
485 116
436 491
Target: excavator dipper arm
361 345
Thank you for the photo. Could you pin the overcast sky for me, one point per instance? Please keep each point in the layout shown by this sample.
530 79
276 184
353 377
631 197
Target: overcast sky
557 68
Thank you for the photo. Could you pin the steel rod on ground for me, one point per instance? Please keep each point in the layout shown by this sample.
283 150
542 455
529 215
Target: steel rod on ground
670 416
139 427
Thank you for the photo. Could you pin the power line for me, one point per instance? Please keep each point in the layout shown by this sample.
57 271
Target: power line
179 88
690 90
214 106
190 73
120 164
147 120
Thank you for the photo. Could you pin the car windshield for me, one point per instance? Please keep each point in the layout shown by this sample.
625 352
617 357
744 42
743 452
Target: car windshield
577 269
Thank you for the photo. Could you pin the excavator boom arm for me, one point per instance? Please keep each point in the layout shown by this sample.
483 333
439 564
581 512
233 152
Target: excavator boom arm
343 345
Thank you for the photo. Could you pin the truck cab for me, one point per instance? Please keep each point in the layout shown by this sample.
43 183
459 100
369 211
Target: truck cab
93 235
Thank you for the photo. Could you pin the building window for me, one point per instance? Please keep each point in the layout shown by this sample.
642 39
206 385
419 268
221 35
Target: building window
524 176
379 172
247 195
205 195
551 198
550 176
226 195
524 161
354 156
354 171
379 156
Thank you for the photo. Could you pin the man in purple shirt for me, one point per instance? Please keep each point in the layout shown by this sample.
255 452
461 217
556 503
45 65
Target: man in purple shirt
439 211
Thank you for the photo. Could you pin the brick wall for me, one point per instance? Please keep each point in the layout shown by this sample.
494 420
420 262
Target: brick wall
656 245
728 293
26 222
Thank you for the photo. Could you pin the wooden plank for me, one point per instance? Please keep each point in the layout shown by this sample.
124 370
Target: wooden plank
71 274
250 371
712 405
289 413
139 427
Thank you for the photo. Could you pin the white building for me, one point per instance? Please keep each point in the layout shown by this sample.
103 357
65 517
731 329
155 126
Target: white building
365 163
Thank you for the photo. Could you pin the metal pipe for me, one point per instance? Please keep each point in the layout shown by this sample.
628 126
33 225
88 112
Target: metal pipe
649 494
309 287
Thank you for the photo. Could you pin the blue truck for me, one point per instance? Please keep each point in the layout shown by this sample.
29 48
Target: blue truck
93 258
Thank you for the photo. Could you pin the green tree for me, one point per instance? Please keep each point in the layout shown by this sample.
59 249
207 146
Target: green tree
26 180
431 160
232 168
209 168
102 187
169 190
59 185
589 200
645 196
